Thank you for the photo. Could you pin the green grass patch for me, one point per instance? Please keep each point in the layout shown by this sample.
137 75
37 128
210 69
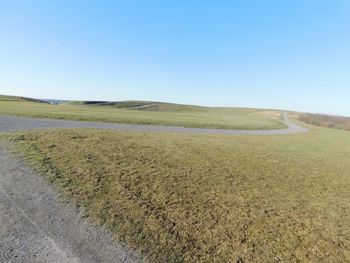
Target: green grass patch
200 198
149 113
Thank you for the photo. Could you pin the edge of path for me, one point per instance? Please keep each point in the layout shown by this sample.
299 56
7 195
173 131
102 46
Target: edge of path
36 226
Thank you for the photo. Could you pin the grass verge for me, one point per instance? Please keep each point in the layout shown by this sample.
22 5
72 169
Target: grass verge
191 198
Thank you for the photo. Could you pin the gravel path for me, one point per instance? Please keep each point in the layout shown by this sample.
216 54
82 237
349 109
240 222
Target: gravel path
36 227
11 123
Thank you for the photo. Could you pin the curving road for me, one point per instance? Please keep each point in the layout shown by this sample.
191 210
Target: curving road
12 123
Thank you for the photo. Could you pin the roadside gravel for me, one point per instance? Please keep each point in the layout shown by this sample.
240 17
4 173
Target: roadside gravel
35 226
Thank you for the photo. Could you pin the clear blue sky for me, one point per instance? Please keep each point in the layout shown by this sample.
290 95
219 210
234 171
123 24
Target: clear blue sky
271 54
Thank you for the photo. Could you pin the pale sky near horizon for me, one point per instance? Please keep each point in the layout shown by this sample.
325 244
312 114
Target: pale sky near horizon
264 54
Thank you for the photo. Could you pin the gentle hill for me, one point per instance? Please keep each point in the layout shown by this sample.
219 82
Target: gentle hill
174 107
142 105
147 112
20 99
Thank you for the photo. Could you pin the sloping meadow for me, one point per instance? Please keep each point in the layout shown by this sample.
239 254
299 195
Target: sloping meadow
196 198
138 112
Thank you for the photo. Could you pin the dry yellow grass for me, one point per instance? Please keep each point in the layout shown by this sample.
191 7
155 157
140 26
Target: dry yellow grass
196 198
335 122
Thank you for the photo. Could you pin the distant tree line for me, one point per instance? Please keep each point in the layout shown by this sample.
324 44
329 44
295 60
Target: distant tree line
336 122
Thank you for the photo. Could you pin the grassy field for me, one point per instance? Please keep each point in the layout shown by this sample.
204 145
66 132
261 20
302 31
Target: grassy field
147 113
335 122
200 198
